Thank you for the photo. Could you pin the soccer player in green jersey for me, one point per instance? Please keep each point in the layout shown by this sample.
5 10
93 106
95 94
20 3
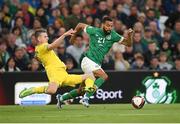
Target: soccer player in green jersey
101 40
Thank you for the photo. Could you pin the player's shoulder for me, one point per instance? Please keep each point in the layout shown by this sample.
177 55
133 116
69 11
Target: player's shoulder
92 27
41 46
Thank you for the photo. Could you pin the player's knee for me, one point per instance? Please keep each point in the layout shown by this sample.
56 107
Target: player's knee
51 91
105 77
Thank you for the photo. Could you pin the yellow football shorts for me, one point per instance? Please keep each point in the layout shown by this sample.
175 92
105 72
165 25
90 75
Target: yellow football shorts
62 78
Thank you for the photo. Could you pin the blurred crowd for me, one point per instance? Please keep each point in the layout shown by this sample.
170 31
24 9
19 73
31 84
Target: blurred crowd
156 39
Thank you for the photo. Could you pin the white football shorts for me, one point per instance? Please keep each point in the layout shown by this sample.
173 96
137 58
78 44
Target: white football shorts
88 66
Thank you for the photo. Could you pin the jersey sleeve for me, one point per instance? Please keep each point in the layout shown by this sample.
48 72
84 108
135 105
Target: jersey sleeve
118 38
90 30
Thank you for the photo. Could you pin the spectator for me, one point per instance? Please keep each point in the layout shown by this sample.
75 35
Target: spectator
167 36
146 38
165 47
120 14
11 46
10 66
163 62
34 65
129 54
61 52
137 44
154 63
89 20
119 27
31 47
126 6
72 20
138 27
65 12
40 13
150 16
138 63
69 64
110 4
102 10
4 55
176 51
55 14
113 14
58 23
19 22
27 15
17 32
97 22
46 5
132 18
152 51
77 49
142 19
5 17
155 32
51 32
177 63
37 23
120 63
20 59
175 37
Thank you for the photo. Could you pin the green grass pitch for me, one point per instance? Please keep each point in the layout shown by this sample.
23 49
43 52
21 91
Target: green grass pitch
96 113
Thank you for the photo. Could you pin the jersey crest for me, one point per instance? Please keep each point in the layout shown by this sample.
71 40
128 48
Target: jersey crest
108 37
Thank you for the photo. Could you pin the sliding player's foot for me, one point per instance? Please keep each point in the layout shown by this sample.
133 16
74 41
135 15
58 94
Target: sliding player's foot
59 103
25 92
85 101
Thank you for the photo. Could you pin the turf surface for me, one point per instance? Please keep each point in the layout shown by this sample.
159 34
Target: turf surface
96 113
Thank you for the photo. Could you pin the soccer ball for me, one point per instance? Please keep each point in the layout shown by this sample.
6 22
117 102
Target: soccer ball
137 102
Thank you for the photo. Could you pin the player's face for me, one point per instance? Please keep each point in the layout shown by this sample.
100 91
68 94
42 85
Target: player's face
107 27
43 37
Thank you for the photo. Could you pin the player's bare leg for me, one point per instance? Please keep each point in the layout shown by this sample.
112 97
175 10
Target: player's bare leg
98 82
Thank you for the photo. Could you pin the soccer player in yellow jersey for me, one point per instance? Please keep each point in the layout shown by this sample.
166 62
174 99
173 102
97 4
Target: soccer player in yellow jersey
55 68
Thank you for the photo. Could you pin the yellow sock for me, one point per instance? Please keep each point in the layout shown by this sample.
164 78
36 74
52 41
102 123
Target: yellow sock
89 83
41 89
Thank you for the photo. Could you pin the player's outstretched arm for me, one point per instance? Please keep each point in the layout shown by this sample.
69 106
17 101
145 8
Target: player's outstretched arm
58 41
78 28
128 41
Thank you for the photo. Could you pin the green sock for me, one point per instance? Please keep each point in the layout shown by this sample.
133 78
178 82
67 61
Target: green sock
98 83
71 95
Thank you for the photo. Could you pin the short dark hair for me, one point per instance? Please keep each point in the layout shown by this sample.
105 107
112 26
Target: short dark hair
167 30
106 18
39 31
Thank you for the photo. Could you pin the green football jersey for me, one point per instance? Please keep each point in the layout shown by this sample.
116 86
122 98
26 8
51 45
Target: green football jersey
100 43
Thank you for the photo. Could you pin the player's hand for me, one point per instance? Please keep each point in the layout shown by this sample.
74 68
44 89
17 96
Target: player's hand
69 33
130 32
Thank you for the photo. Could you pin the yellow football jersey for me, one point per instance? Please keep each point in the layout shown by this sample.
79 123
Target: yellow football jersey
55 68
48 58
